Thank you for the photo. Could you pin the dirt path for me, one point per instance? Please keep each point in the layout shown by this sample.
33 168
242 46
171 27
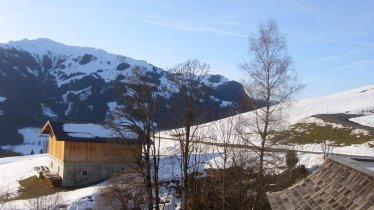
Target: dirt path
343 119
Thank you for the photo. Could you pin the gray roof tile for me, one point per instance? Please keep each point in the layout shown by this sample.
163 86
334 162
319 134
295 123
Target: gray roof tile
335 185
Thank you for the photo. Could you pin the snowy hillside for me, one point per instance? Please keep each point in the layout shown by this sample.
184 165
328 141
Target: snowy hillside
367 120
50 80
358 102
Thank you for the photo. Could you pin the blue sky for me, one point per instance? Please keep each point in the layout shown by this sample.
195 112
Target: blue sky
331 42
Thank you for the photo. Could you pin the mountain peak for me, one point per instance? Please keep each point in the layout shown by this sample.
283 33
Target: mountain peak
43 46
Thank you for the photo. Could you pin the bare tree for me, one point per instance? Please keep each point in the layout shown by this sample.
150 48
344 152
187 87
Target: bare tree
44 145
291 159
271 84
224 134
138 106
188 76
327 146
156 156
125 191
49 202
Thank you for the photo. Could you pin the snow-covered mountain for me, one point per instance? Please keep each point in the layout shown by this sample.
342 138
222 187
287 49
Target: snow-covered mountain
42 79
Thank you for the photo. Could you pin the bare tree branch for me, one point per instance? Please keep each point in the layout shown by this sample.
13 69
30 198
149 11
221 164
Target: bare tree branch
271 84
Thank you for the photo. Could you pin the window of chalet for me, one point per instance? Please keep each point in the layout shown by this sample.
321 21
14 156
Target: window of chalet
84 173
58 169
51 164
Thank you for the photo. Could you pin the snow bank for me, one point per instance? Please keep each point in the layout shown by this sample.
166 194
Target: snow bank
367 120
13 169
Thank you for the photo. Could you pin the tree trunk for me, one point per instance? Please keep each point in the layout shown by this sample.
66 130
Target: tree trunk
223 200
260 177
185 168
155 179
148 177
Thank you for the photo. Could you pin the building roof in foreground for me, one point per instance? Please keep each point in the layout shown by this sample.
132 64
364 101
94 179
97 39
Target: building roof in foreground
342 182
85 132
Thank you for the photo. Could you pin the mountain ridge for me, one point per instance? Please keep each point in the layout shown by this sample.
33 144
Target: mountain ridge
42 79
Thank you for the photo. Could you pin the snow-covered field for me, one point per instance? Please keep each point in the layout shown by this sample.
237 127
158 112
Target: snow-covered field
13 169
357 101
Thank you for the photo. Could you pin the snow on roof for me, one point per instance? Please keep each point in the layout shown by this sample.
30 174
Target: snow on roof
84 132
88 130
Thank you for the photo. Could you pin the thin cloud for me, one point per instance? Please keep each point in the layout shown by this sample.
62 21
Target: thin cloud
230 23
359 65
195 28
367 44
351 55
327 58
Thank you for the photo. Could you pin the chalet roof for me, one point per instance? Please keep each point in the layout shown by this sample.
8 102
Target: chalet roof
89 132
342 182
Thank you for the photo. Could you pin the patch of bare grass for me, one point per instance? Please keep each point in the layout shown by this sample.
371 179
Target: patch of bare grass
312 133
33 187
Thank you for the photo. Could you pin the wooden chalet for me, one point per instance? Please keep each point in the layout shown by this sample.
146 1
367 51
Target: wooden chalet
84 153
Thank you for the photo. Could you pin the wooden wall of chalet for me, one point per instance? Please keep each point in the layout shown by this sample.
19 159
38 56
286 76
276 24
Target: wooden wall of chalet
101 152
56 148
